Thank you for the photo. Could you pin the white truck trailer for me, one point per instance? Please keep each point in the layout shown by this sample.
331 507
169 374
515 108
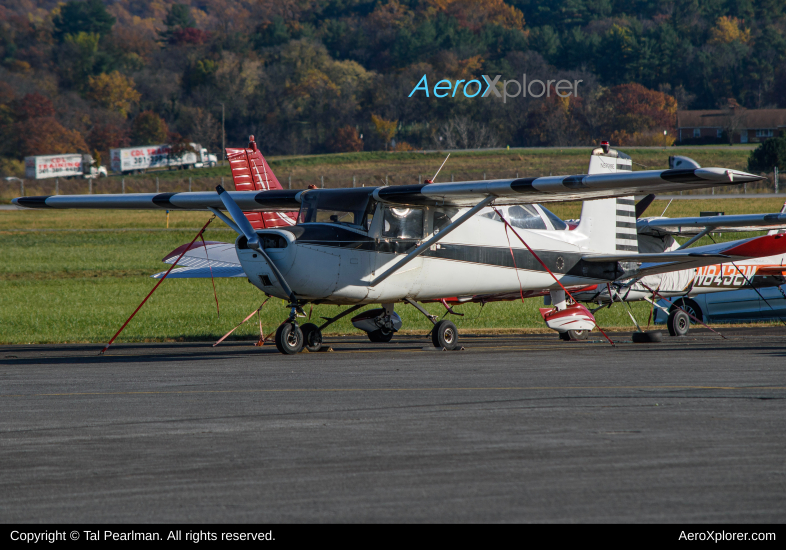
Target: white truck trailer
133 159
62 166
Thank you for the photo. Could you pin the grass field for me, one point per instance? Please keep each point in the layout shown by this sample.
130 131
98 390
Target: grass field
75 276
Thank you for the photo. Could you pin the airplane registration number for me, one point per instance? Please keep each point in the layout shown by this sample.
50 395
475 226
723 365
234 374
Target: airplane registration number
724 275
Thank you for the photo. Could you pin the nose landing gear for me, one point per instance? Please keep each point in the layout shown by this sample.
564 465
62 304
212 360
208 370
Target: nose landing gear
289 338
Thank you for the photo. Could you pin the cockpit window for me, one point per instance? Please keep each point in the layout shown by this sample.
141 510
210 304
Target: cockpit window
402 223
554 219
342 207
526 217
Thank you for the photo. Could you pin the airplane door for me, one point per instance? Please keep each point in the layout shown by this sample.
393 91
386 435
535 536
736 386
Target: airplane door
402 232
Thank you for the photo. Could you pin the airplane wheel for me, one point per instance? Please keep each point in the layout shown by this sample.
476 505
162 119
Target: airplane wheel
289 339
578 334
312 337
445 335
678 323
380 336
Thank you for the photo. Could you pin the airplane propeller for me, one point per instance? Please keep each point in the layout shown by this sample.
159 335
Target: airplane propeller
252 238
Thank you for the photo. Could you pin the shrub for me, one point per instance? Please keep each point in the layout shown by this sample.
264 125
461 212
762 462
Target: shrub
769 154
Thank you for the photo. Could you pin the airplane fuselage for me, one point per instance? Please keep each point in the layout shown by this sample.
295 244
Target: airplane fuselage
330 263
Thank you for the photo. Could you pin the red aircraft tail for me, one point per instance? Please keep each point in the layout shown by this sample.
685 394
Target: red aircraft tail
251 172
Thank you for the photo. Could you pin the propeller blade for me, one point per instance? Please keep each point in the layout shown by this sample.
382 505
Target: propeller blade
253 239
240 219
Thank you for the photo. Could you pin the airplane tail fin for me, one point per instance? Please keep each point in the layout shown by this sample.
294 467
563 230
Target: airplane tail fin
610 224
251 172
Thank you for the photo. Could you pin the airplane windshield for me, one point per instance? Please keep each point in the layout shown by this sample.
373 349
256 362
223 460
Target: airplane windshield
353 208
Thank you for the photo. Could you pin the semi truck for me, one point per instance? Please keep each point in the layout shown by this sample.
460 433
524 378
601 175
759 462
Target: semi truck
62 166
134 159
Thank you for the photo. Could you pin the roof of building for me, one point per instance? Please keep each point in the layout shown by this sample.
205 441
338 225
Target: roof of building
751 118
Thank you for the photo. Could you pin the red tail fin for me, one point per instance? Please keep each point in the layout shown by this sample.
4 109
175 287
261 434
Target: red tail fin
251 172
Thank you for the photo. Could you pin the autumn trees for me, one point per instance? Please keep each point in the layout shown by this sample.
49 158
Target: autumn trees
310 76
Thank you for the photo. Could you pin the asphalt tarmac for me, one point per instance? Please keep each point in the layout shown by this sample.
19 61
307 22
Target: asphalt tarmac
515 428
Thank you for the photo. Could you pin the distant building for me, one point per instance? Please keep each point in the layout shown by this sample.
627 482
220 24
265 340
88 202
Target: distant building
745 125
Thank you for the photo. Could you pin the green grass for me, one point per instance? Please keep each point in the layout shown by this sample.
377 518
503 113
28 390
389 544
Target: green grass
91 309
67 282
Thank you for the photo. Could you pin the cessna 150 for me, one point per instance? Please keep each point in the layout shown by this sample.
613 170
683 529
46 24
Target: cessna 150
657 235
410 243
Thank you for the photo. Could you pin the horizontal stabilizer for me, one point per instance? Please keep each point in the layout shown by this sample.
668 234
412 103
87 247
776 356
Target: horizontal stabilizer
219 254
203 272
198 261
651 264
685 226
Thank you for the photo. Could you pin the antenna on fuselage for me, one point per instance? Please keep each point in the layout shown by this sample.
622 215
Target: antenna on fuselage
440 168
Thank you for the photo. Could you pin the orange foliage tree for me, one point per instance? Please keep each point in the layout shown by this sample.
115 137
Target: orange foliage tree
46 136
113 91
148 129
385 129
346 140
635 109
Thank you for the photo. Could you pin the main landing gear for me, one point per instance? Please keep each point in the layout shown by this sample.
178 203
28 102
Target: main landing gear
380 325
444 335
563 316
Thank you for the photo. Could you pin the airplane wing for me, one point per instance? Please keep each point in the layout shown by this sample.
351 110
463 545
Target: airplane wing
198 261
734 251
273 200
690 226
459 194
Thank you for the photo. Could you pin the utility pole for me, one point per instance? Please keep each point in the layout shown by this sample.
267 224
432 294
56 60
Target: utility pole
223 135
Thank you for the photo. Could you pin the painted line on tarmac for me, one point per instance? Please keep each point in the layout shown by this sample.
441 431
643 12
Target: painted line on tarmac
358 390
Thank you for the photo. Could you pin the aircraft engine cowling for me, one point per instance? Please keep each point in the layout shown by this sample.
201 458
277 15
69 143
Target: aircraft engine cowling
280 248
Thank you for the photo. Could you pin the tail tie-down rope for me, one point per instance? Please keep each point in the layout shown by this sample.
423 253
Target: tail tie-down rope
508 226
158 283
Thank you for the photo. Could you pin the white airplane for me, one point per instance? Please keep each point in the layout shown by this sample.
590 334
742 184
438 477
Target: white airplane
410 243
682 287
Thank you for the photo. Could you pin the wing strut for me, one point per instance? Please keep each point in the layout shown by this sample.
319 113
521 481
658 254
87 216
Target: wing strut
226 219
443 233
696 237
